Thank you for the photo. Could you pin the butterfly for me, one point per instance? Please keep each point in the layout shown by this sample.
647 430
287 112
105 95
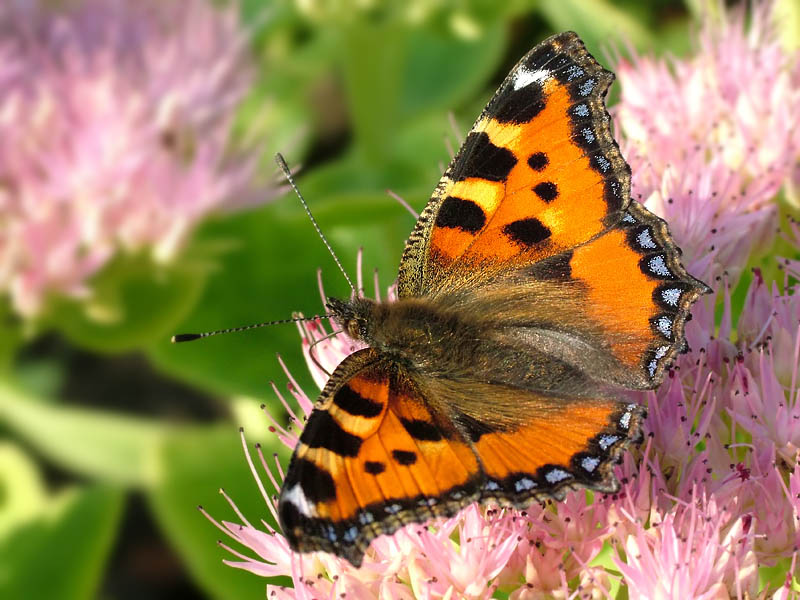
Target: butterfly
531 290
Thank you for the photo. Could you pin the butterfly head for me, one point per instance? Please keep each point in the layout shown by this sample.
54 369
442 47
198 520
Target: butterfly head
353 315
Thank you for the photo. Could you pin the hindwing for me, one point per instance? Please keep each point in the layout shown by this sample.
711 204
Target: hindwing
377 453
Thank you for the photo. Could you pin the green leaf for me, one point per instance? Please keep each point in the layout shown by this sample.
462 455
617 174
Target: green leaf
372 59
442 72
787 20
271 274
704 9
23 492
598 22
194 465
112 447
774 577
134 301
605 559
60 553
10 334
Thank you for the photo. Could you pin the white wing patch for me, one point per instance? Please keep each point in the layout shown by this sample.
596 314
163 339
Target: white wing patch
295 496
524 77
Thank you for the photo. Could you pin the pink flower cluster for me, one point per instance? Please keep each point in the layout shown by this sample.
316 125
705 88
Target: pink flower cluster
712 139
114 125
710 507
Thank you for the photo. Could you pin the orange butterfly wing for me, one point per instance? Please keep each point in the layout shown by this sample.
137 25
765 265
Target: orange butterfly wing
375 455
553 452
372 457
638 289
539 173
540 188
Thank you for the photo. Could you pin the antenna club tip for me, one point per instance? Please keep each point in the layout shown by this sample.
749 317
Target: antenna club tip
185 337
281 162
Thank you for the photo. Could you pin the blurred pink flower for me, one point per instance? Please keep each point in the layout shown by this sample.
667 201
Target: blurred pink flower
114 124
769 317
763 407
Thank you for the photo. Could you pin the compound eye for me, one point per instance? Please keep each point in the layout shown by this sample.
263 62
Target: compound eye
353 330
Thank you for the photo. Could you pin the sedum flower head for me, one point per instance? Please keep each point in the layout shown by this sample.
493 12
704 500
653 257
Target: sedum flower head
699 550
710 139
114 123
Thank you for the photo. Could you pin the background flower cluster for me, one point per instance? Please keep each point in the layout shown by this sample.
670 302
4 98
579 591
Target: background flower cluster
138 199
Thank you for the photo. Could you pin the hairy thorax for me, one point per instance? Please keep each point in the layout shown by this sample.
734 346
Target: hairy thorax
453 339
437 339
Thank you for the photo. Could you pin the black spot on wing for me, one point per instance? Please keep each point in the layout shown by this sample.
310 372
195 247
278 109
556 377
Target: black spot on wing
615 190
322 431
517 106
555 267
538 161
423 431
374 467
461 214
527 232
404 457
354 403
565 58
546 56
316 483
546 190
483 159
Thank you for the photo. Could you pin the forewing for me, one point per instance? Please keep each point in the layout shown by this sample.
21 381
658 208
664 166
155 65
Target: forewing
372 457
538 173
533 225
610 311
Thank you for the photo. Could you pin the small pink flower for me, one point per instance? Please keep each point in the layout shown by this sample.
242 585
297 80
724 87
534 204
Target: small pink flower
793 496
764 408
770 319
114 126
699 550
555 542
680 417
774 525
710 139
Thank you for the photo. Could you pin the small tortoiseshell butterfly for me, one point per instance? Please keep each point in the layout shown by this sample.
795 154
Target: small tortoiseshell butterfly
530 288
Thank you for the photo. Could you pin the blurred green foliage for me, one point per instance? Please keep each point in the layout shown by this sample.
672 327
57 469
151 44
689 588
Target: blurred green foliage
358 95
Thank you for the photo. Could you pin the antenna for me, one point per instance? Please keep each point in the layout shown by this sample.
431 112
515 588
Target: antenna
288 174
188 337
